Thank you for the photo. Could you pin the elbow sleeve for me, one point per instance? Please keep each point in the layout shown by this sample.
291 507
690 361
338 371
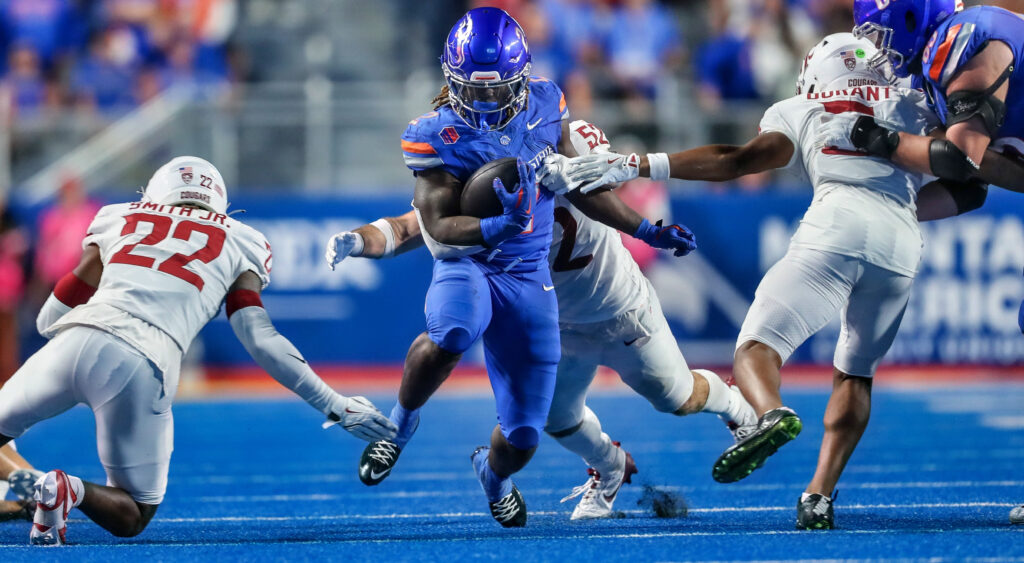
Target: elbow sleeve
968 195
949 162
279 358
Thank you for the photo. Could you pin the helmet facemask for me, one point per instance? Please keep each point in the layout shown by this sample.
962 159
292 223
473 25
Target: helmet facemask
888 62
487 104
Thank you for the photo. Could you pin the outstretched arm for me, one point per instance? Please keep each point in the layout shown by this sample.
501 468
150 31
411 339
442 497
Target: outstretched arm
382 238
74 289
715 163
720 163
276 354
606 207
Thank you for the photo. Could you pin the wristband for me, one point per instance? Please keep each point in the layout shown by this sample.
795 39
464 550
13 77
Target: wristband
384 226
492 229
659 166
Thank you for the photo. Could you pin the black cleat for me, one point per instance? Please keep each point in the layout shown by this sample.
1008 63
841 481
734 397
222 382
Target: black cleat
775 428
814 512
510 511
377 461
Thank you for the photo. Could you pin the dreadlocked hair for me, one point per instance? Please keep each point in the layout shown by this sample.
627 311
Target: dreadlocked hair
441 99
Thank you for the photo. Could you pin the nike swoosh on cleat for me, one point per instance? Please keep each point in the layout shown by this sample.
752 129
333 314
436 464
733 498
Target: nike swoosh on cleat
530 126
630 342
374 475
547 287
297 358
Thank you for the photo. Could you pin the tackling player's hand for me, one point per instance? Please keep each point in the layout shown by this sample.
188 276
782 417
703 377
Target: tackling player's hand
595 170
361 419
675 237
343 245
834 131
517 207
553 174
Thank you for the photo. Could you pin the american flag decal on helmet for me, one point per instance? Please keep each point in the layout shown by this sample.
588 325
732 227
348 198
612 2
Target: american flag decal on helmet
186 174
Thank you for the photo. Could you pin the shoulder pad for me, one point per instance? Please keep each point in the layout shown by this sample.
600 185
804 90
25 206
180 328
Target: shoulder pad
418 150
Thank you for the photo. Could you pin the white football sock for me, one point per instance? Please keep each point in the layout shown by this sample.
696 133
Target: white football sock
725 401
593 445
78 488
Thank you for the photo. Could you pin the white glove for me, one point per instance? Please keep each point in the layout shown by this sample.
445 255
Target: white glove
595 170
343 245
361 418
553 174
834 131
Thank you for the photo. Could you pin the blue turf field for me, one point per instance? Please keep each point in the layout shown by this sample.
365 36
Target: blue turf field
934 477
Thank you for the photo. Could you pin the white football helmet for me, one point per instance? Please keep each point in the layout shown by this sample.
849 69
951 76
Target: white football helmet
188 179
837 62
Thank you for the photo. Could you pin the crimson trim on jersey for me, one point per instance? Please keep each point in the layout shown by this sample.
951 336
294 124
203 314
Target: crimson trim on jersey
240 299
842 106
72 291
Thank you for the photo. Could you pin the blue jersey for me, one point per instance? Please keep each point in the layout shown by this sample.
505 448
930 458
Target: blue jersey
960 37
440 139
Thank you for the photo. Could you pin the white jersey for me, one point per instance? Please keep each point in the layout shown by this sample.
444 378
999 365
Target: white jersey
595 277
169 267
863 207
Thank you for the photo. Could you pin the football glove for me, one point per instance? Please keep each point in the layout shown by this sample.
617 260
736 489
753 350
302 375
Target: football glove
360 418
671 237
341 246
834 131
517 207
595 170
553 174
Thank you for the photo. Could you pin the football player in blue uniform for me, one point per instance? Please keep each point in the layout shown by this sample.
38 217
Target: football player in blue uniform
969 64
491 275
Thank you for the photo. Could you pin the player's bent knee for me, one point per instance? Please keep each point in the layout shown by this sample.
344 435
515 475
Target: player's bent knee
455 340
560 430
524 438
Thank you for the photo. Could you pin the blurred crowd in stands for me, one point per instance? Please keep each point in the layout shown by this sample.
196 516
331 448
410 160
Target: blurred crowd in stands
624 49
107 56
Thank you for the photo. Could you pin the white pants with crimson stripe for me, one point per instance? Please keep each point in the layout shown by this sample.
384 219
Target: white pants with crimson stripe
134 425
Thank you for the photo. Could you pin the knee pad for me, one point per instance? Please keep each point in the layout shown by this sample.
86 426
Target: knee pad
524 438
454 340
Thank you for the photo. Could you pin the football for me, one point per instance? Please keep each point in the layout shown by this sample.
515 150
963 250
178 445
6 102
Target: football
478 199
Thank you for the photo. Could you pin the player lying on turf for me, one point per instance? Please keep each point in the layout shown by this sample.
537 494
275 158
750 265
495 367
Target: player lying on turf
856 251
490 276
968 62
608 314
153 272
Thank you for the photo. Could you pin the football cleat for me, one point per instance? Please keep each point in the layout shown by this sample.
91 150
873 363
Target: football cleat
814 512
775 428
509 510
55 496
377 461
599 492
1017 515
23 482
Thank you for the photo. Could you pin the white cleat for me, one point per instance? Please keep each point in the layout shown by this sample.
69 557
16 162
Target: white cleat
23 482
1017 515
55 496
599 492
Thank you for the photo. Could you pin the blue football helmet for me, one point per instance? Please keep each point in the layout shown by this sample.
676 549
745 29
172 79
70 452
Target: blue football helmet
900 29
486 63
